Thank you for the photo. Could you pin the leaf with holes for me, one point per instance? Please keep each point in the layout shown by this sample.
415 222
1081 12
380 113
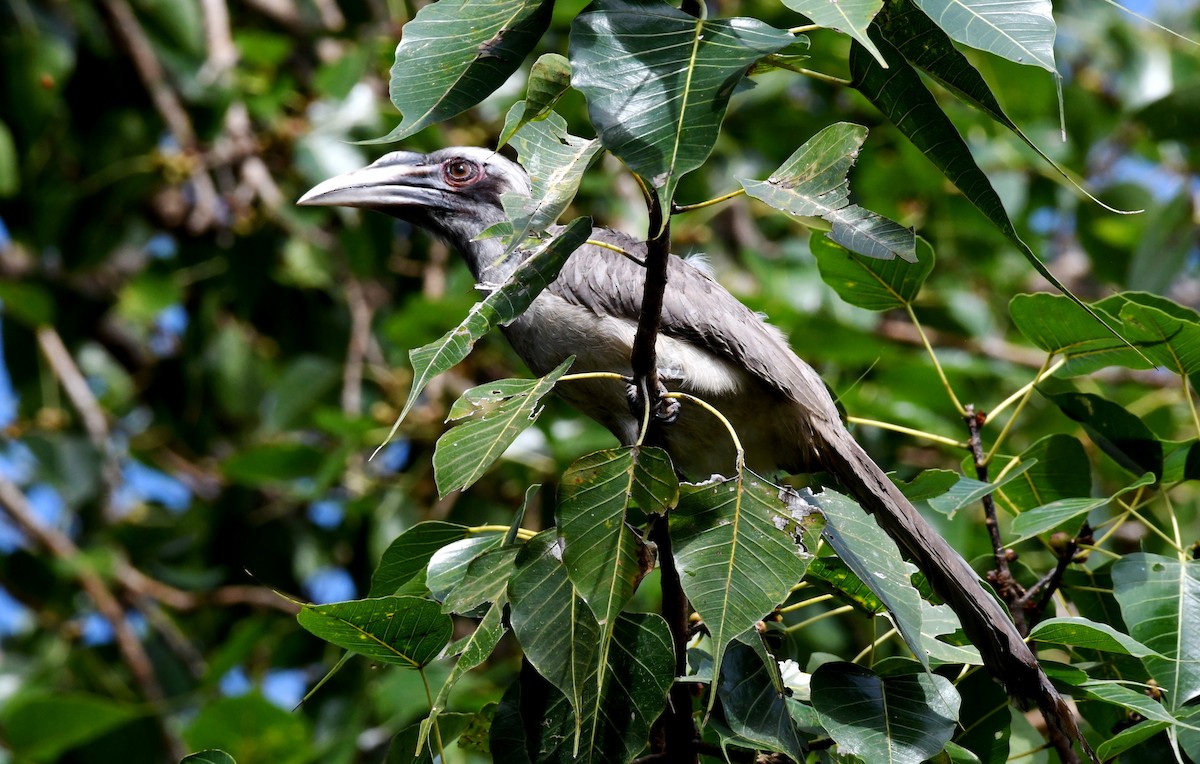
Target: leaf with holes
454 53
549 78
465 451
403 631
658 81
504 304
812 183
734 562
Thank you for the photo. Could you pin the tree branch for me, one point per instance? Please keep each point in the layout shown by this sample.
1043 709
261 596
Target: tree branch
678 728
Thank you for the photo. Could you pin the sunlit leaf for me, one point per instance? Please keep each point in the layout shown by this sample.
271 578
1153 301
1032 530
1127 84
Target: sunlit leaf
478 648
454 54
848 16
549 78
812 183
1039 520
1081 632
407 556
1020 30
658 81
1160 599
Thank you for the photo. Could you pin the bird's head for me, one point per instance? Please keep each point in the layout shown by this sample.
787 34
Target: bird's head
454 192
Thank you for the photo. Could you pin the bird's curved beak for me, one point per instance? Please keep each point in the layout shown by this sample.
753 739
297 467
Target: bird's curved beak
399 179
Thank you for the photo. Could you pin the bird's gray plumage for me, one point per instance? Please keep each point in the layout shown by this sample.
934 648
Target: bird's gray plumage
709 345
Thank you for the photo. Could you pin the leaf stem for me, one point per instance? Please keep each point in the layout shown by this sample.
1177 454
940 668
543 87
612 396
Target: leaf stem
1024 394
1187 395
822 77
822 616
805 603
907 431
874 644
804 29
522 533
678 208
437 732
912 316
737 444
614 248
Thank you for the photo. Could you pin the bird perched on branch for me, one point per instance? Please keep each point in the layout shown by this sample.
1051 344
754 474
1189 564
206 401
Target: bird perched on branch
709 345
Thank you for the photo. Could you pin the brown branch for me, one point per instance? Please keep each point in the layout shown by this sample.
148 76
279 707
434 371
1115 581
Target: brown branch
1049 583
1001 577
678 728
643 358
129 645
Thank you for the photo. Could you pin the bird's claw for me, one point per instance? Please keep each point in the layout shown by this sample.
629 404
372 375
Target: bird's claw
662 409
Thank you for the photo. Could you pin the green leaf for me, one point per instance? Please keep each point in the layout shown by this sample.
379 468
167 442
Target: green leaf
1057 325
549 78
560 637
1081 632
478 648
903 719
898 92
983 721
407 556
42 727
869 282
10 173
874 558
454 54
967 491
1019 30
411 747
1161 255
485 580
847 16
1129 698
928 484
465 451
504 304
1163 338
1117 432
272 463
735 564
658 81
404 631
753 707
1128 738
556 162
449 565
211 756
1160 599
29 304
252 729
812 183
1061 471
1057 513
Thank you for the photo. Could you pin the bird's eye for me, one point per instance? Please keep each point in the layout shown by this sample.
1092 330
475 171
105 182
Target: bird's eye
459 172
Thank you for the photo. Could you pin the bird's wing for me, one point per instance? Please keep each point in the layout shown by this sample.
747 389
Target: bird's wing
696 309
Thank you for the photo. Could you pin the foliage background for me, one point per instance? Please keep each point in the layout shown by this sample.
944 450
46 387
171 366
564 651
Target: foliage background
193 370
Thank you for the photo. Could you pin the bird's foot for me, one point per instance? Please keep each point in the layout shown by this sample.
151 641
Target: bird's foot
662 408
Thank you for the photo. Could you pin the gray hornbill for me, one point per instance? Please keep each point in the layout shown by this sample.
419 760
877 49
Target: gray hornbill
709 345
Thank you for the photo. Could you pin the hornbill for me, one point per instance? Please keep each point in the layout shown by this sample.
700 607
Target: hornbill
709 345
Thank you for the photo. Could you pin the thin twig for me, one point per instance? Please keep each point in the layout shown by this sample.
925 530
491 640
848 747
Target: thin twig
1049 583
1006 586
361 315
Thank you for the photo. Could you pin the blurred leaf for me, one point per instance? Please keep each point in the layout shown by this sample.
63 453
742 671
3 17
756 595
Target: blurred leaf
734 563
42 727
305 381
252 730
1061 470
1161 255
1021 31
28 303
465 451
847 16
454 54
752 706
874 558
10 176
904 719
549 78
1117 432
505 303
403 631
658 81
812 183
1160 599
272 463
407 556
211 756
